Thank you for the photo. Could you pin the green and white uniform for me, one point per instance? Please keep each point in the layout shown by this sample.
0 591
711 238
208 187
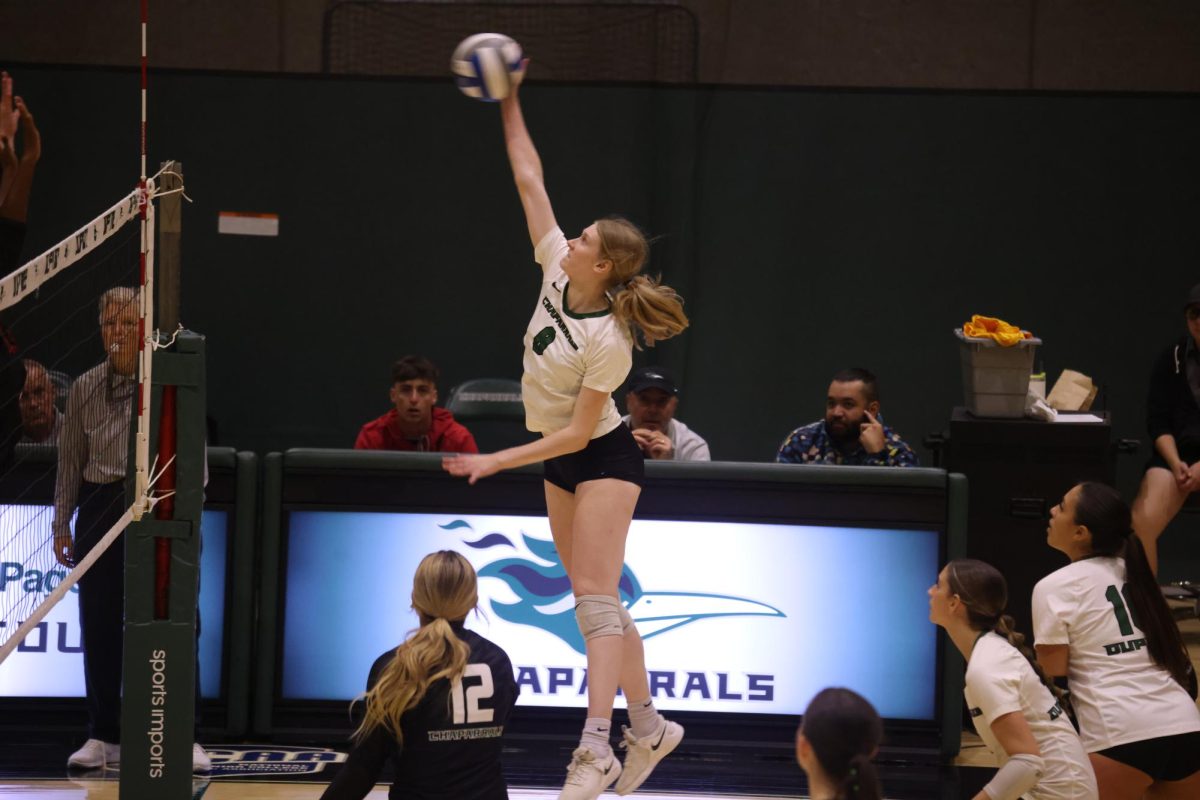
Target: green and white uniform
1001 681
566 351
1119 693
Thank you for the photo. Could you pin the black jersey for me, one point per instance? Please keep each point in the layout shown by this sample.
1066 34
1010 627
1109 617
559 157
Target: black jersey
451 748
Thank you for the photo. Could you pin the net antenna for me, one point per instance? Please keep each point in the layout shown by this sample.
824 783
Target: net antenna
146 302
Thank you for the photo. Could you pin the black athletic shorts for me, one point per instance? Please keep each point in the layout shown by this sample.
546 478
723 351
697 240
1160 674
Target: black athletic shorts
613 455
1189 453
1166 758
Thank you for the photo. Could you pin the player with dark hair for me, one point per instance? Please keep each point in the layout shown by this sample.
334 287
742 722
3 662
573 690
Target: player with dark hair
437 704
594 299
1102 622
839 734
1015 708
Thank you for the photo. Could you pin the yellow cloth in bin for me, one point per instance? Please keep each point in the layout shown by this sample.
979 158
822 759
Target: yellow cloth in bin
1005 335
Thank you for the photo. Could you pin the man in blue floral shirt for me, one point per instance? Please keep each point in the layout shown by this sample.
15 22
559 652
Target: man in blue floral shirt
851 433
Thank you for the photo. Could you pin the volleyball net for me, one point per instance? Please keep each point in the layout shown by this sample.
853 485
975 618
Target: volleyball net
77 323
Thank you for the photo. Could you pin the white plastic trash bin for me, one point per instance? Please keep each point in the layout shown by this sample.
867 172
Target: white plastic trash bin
995 378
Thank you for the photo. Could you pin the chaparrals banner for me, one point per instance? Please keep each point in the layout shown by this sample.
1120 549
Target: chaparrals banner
736 617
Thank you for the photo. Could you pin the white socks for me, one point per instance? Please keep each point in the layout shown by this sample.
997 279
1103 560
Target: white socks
596 736
643 721
643 718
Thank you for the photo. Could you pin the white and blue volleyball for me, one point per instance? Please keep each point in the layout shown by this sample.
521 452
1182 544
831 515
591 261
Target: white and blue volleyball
484 65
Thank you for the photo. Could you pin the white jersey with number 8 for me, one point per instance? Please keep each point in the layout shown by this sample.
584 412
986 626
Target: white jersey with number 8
1119 693
565 351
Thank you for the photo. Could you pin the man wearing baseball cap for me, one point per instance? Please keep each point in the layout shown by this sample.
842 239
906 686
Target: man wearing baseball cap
1173 422
651 401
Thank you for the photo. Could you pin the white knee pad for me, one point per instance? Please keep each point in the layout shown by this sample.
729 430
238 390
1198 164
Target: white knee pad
598 615
626 621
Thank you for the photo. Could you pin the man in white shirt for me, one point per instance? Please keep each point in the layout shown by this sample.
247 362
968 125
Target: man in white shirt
651 401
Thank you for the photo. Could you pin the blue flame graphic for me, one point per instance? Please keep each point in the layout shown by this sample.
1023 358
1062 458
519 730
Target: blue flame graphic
544 593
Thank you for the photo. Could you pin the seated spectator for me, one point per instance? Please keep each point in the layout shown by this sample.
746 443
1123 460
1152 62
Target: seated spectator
1173 421
414 423
40 420
852 432
651 401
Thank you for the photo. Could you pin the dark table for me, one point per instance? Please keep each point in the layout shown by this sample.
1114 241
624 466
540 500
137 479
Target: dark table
1017 469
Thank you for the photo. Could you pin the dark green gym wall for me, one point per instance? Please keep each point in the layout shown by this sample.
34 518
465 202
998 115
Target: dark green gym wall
808 230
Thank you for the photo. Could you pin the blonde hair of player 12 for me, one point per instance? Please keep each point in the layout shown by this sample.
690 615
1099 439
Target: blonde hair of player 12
639 302
444 591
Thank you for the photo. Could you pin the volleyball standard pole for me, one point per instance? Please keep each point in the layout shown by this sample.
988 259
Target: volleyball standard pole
160 686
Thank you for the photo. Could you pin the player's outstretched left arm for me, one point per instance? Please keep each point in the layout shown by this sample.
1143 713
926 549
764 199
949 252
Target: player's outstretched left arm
526 166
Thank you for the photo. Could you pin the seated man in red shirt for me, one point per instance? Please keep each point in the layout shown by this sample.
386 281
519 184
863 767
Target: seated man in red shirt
414 423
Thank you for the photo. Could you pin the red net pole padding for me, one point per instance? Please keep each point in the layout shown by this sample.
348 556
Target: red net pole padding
165 509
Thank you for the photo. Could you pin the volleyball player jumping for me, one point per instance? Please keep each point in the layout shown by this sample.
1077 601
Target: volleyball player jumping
578 350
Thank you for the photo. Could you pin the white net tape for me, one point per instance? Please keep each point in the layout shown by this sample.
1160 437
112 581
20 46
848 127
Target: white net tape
23 282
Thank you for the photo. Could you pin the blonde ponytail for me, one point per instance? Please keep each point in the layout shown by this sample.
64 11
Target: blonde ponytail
444 591
431 653
639 302
649 308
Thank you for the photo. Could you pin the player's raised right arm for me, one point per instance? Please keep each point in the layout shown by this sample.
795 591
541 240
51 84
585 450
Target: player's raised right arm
527 170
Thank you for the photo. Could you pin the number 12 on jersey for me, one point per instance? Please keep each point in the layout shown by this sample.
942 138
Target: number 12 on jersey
465 698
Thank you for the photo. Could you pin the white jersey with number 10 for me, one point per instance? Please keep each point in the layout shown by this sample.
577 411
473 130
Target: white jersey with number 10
1119 693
